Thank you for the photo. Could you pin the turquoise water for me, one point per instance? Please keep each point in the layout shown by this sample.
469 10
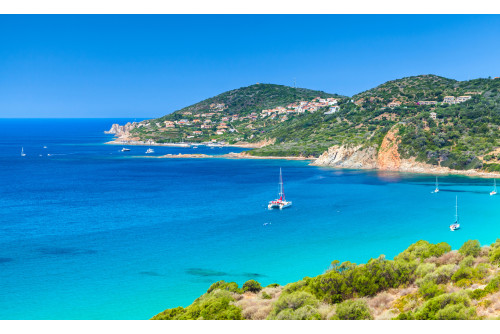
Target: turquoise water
93 233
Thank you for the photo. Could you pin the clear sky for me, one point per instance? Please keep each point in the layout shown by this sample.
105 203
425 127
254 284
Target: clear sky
148 66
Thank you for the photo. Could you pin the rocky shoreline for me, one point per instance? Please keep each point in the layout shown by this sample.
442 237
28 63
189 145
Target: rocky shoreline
385 158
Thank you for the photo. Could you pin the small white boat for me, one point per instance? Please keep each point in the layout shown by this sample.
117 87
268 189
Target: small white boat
455 226
150 150
494 191
22 152
125 149
437 187
45 147
280 202
195 146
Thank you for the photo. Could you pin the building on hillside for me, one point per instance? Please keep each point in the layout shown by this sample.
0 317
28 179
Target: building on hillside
463 98
433 115
449 99
197 133
427 103
394 104
332 110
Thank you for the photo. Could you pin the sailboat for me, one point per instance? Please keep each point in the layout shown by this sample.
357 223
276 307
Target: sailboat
456 225
437 187
494 191
280 202
150 150
22 152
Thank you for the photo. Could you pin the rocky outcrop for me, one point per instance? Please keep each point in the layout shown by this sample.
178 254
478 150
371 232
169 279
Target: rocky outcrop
388 156
348 157
122 130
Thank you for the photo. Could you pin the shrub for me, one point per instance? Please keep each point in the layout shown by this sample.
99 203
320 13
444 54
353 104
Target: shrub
290 303
422 250
424 269
470 248
430 290
447 306
223 285
265 295
492 286
252 286
211 306
353 310
494 253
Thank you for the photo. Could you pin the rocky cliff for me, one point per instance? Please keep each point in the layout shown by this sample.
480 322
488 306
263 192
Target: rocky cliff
387 157
122 130
348 157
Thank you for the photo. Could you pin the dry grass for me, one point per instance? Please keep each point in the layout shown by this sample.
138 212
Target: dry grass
254 307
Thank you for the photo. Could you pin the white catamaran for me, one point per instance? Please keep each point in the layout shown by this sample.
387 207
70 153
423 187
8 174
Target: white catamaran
456 225
494 191
280 202
437 187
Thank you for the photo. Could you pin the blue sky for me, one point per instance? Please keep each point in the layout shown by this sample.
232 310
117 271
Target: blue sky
148 66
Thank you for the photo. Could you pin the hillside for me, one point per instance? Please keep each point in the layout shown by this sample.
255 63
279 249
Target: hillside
431 121
424 282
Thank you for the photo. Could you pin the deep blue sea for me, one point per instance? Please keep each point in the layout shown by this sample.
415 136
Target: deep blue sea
88 232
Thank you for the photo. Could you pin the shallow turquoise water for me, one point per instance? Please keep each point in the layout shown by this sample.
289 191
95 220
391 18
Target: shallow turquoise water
93 233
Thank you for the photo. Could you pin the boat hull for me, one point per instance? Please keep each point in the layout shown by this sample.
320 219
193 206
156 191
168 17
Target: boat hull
279 205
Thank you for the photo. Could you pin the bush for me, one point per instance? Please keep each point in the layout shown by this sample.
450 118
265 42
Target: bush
494 253
216 305
425 268
422 250
430 290
493 286
223 285
447 306
265 295
353 310
288 305
252 286
470 248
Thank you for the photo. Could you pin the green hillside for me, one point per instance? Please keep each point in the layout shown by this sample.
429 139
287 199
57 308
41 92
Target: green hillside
462 135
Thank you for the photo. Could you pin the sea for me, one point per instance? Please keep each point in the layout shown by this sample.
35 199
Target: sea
90 232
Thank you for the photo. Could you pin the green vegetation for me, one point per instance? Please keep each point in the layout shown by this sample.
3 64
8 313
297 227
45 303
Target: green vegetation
459 136
425 281
353 310
470 248
252 286
211 306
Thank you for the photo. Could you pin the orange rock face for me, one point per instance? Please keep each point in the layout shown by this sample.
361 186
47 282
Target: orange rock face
388 156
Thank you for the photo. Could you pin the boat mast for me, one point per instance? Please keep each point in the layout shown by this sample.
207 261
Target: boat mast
456 209
282 188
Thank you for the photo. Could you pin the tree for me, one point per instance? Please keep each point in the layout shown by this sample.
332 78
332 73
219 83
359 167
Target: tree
252 286
471 247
